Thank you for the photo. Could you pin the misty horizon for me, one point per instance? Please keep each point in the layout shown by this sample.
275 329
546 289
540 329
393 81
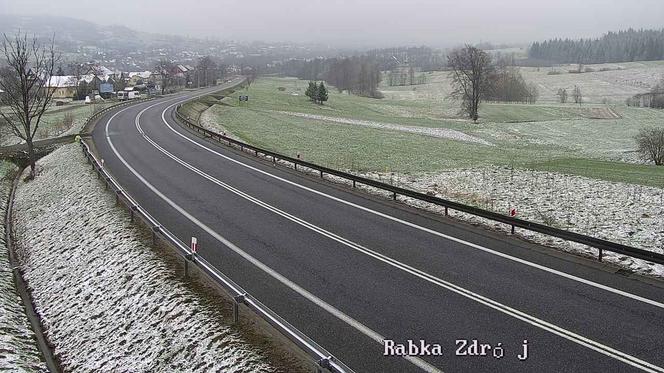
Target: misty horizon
362 24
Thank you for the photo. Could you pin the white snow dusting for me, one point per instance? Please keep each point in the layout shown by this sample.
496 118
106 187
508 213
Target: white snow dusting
18 346
106 300
624 213
443 133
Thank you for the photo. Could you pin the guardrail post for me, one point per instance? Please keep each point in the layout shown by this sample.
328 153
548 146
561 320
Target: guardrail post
446 213
353 183
155 229
324 363
321 174
132 209
255 153
600 255
512 228
394 196
236 307
295 164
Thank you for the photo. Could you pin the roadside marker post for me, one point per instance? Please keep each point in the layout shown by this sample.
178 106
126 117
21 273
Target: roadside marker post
513 214
190 257
194 247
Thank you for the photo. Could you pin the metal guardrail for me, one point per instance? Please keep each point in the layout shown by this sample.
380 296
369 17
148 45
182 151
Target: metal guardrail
323 358
600 244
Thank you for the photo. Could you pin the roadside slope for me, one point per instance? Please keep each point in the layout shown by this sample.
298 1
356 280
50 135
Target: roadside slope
18 347
106 299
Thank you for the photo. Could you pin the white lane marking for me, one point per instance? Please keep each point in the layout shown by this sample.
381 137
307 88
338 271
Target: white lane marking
532 320
274 274
424 229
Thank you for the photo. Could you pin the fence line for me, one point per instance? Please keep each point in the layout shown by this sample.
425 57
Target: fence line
600 244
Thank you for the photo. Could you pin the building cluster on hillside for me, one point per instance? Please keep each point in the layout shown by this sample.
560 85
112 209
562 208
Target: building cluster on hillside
100 81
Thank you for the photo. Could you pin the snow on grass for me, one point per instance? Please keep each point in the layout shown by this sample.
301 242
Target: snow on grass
53 123
18 347
106 300
443 133
628 214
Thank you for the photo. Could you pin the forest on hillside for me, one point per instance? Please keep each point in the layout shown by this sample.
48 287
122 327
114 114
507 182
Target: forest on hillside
622 46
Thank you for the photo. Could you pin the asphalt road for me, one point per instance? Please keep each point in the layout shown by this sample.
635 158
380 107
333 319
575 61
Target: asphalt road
350 269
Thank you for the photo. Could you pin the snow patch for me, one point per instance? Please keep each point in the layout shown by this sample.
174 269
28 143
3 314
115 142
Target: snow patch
443 133
624 213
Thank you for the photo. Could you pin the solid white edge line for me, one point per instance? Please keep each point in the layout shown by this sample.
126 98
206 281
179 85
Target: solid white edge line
293 286
532 320
431 231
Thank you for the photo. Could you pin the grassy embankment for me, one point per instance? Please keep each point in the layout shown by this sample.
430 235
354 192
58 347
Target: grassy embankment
552 137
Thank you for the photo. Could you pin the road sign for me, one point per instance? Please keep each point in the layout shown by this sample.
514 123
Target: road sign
244 98
194 245
512 212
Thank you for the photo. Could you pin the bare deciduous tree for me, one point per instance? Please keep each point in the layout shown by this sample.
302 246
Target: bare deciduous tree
29 67
576 95
78 70
470 74
650 143
206 71
562 95
165 68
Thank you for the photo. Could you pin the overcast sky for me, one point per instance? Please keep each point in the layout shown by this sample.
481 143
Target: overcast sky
361 22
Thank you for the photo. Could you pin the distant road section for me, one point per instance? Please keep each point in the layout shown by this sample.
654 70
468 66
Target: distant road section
353 271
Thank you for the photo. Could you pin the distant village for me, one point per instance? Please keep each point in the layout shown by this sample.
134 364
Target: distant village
91 82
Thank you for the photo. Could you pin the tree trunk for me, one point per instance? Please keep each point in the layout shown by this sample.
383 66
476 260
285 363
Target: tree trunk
31 157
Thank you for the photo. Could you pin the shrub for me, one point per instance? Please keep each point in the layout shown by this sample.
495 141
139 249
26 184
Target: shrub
68 120
650 143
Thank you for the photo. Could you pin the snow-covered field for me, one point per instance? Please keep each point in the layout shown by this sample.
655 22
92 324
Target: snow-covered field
623 213
443 133
610 83
106 299
18 347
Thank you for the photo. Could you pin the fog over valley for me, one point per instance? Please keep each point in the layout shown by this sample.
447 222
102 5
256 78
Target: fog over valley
361 24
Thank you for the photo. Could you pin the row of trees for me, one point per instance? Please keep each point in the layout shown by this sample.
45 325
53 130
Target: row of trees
317 92
423 58
506 84
563 95
622 46
401 77
206 73
358 75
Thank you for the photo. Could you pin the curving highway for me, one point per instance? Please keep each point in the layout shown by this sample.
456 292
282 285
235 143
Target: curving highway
351 270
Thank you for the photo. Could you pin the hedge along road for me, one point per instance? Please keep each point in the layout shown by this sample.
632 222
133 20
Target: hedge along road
350 270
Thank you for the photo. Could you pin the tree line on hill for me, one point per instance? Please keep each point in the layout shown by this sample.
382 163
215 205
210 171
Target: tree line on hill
622 46
422 58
